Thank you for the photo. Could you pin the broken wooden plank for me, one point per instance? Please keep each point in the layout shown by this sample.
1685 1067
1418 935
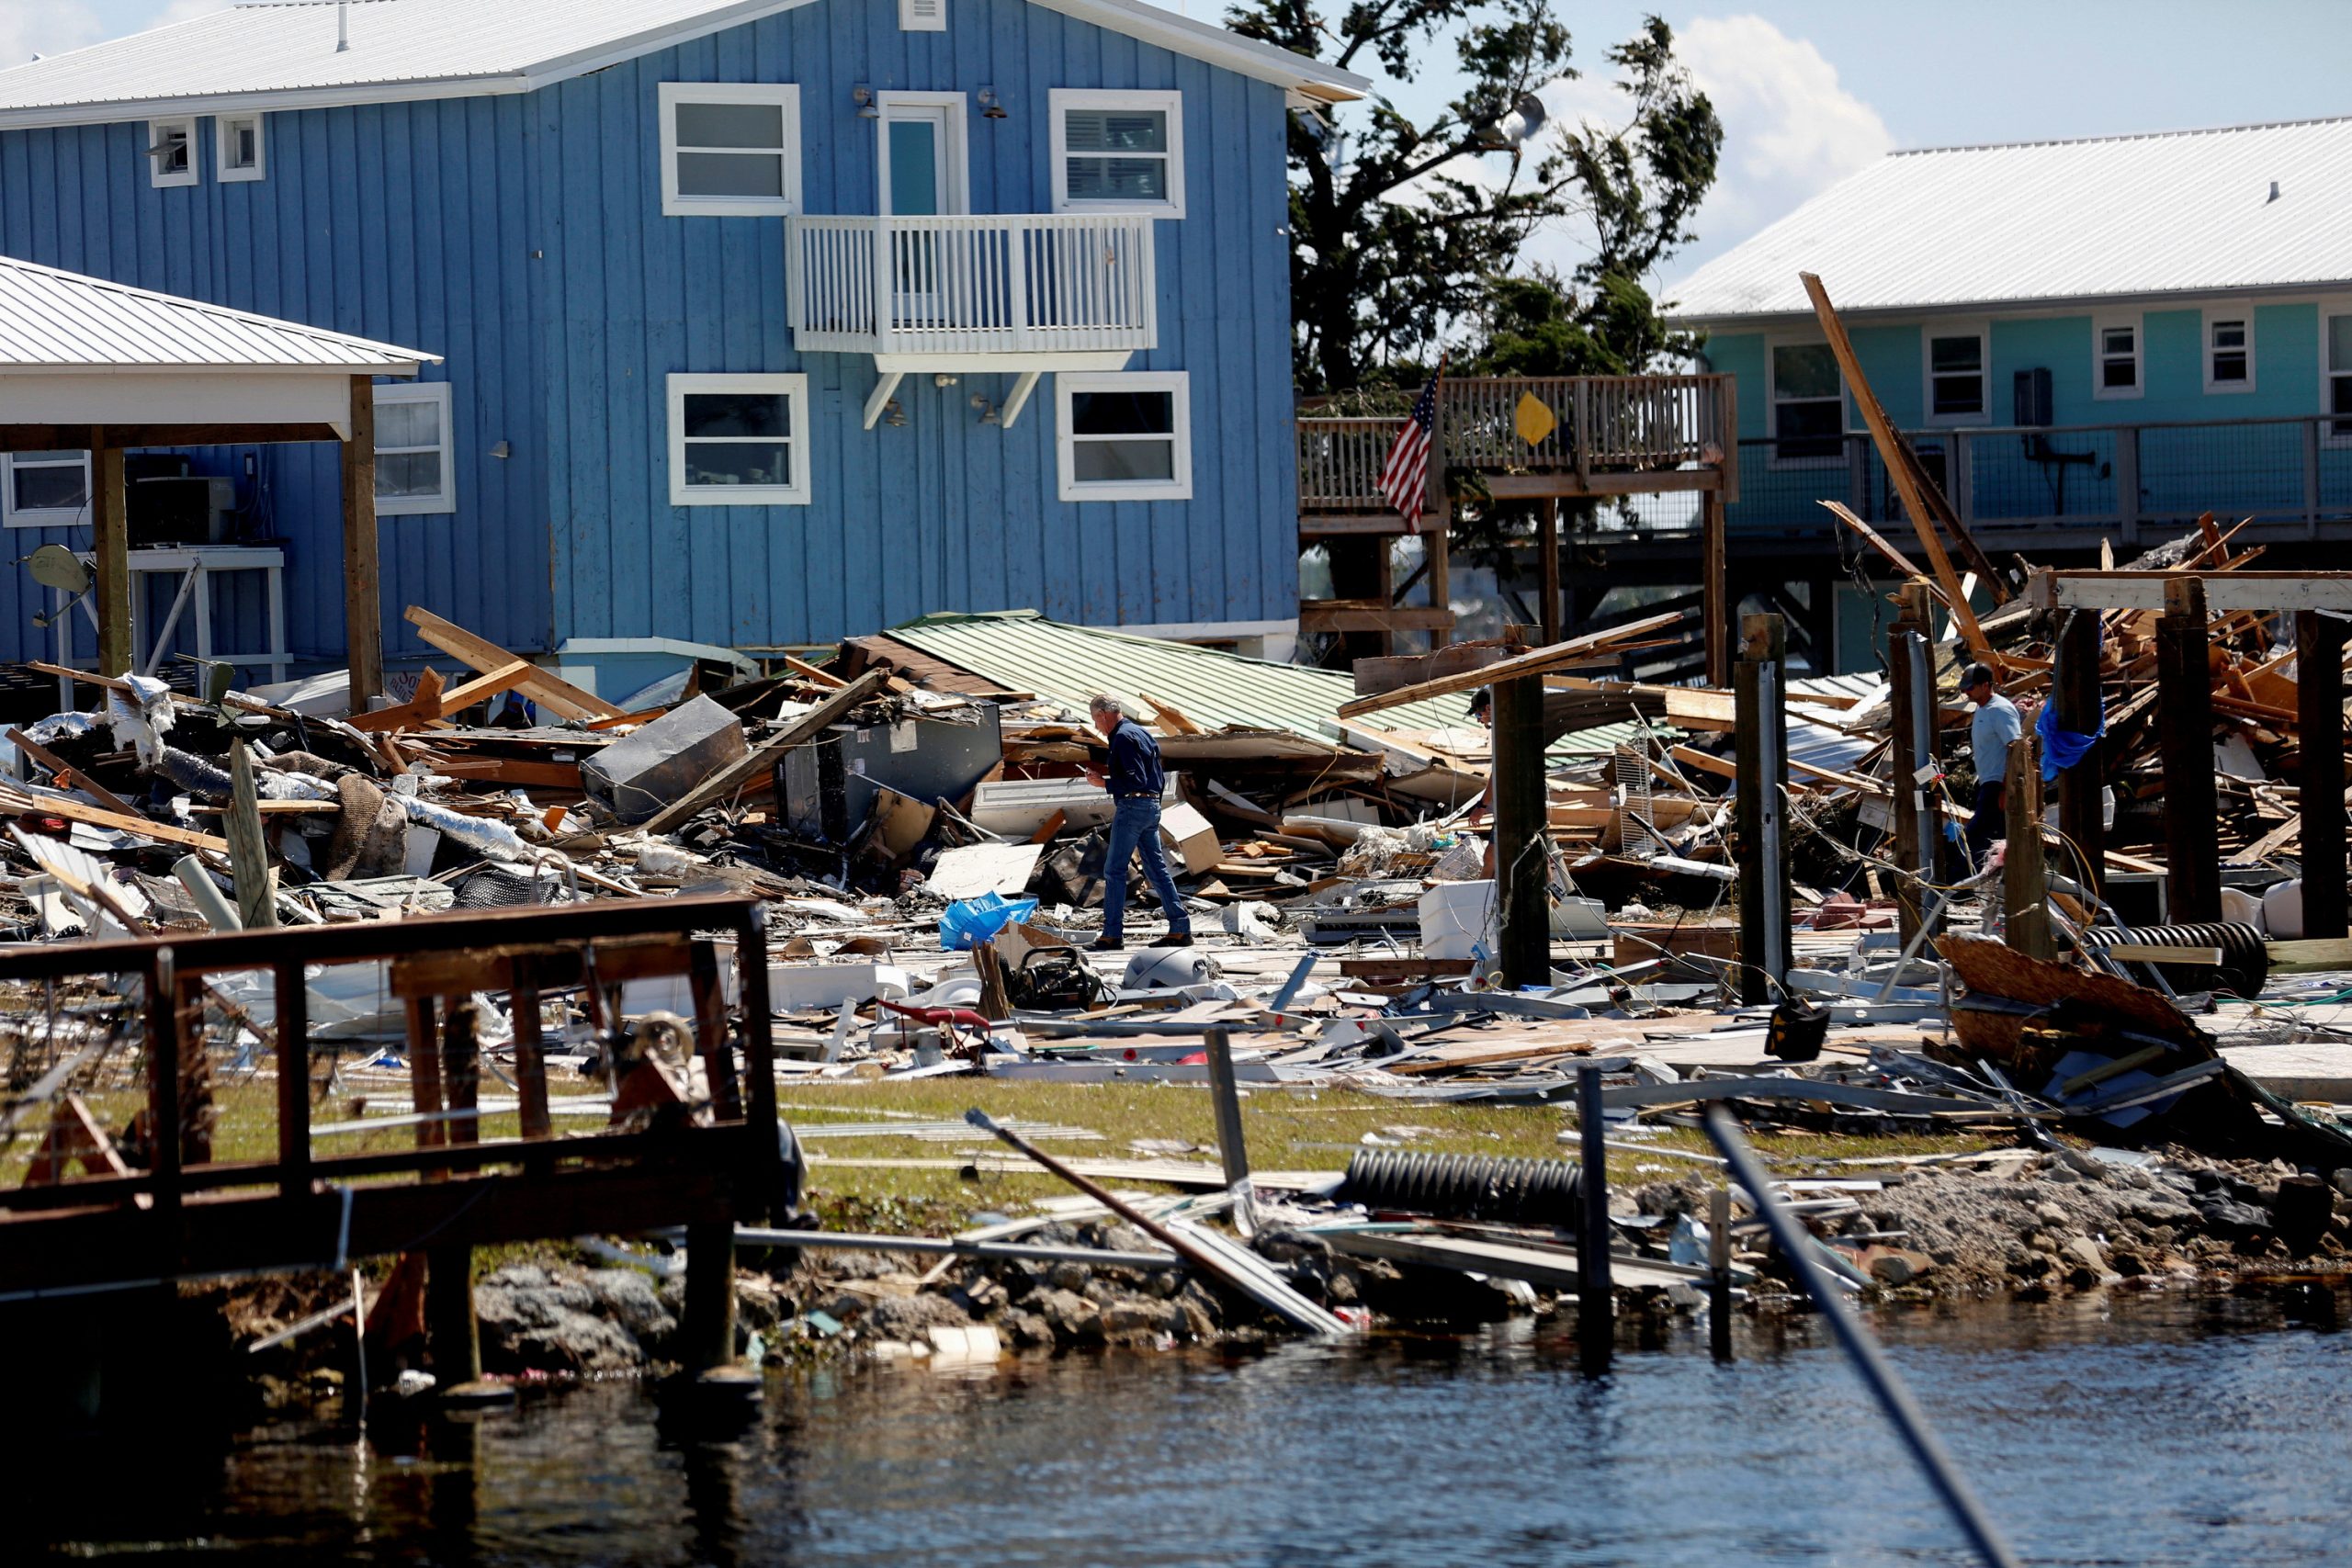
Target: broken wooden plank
15 803
549 691
67 777
1536 661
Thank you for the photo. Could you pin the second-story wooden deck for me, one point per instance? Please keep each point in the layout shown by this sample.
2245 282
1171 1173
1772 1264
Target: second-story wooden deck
1608 435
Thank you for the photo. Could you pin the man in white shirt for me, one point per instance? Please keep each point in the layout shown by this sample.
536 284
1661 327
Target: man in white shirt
1996 723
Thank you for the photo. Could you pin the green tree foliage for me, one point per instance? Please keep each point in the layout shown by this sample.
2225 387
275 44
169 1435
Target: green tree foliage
1404 234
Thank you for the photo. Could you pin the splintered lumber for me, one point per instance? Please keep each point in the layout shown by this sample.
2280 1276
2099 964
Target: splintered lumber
14 803
551 692
1897 457
67 777
1537 661
762 758
2226 592
1873 538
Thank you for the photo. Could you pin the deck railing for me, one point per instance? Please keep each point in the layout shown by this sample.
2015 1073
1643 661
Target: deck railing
1602 424
972 284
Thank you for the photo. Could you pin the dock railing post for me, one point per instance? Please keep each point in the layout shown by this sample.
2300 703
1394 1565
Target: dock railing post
1760 694
2185 723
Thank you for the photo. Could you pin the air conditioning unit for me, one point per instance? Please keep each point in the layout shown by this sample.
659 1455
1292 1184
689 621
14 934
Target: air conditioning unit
179 509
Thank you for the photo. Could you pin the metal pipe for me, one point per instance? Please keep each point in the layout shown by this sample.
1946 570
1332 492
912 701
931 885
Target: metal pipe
1796 1244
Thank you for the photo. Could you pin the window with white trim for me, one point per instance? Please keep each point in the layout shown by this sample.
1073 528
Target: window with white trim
1117 152
236 147
1957 364
923 15
1124 436
2335 365
739 440
44 490
413 472
1808 400
171 151
2118 353
729 148
2229 351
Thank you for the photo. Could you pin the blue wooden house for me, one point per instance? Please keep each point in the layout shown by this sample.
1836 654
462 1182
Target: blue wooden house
2089 342
760 323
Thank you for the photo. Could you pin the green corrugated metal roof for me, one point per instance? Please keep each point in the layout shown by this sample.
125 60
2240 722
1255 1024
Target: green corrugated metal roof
1023 651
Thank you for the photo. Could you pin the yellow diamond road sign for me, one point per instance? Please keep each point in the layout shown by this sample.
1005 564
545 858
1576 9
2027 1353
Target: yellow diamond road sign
1533 419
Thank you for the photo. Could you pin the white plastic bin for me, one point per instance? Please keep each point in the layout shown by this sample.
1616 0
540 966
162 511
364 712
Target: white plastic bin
1456 917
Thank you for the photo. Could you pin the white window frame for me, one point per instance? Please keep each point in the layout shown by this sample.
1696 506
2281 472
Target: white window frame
2137 324
793 385
445 499
2214 318
1069 383
156 131
1982 331
912 19
783 94
43 516
1772 405
221 168
2332 310
1060 100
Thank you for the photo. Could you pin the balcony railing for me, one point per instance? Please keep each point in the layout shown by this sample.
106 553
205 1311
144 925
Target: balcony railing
1610 434
993 284
2289 475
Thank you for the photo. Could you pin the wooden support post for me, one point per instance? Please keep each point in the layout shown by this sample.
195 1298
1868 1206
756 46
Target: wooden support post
293 1030
424 1072
1521 871
363 611
2319 704
1719 1272
707 1337
2185 720
2024 873
461 1068
248 853
1596 1298
1714 588
110 532
164 1108
530 1057
2081 816
711 1033
1913 695
1547 549
1760 694
451 1335
764 1152
1437 542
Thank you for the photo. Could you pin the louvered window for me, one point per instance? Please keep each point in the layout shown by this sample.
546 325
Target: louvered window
923 15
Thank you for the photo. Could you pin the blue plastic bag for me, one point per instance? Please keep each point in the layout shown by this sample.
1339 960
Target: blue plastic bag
968 923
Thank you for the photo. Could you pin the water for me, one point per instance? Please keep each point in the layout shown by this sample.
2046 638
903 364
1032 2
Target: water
2147 1431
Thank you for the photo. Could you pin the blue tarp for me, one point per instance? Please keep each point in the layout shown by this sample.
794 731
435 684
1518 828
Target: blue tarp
2063 748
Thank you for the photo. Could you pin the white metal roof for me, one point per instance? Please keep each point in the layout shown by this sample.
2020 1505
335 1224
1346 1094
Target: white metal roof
63 321
2178 213
282 54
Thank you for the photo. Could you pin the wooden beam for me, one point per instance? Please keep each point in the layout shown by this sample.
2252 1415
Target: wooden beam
1714 593
2025 871
1536 661
2319 700
1907 480
1871 537
363 605
1522 870
2226 592
1566 486
1760 835
67 777
110 531
2185 725
13 803
551 692
1547 551
139 437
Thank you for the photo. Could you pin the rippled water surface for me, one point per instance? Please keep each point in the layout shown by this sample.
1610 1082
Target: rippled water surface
2150 1431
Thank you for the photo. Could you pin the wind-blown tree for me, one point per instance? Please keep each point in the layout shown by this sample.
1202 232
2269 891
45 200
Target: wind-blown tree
1404 232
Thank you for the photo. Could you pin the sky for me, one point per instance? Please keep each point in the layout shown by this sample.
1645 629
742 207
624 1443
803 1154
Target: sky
1811 90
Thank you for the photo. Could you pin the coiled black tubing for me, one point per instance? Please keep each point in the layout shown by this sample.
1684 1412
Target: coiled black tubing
1467 1187
2246 956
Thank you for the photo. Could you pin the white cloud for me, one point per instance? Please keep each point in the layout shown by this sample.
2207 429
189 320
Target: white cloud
1790 128
44 27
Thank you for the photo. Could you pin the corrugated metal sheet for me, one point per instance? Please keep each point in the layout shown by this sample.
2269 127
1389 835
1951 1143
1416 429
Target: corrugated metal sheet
1025 652
2183 213
51 319
440 48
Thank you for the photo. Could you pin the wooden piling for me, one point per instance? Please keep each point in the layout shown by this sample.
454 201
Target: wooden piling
1520 868
1596 1299
2025 871
1908 850
2185 723
2080 810
1548 562
2319 704
1719 1273
707 1334
1760 690
1715 598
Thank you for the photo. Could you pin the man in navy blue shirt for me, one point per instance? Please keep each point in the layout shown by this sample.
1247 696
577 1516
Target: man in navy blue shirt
1135 780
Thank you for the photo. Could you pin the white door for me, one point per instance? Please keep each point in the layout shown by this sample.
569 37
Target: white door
923 175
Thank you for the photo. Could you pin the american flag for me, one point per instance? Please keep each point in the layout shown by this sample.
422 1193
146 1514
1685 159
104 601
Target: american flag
1405 476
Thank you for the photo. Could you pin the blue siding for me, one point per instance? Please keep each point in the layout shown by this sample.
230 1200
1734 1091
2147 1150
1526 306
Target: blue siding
399 222
942 511
522 238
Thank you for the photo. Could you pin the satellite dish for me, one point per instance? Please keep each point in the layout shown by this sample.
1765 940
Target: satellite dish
54 566
1526 118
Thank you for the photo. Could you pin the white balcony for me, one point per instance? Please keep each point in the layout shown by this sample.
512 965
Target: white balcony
1023 292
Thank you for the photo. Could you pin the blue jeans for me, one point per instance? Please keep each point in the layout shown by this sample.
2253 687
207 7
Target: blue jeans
1135 824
